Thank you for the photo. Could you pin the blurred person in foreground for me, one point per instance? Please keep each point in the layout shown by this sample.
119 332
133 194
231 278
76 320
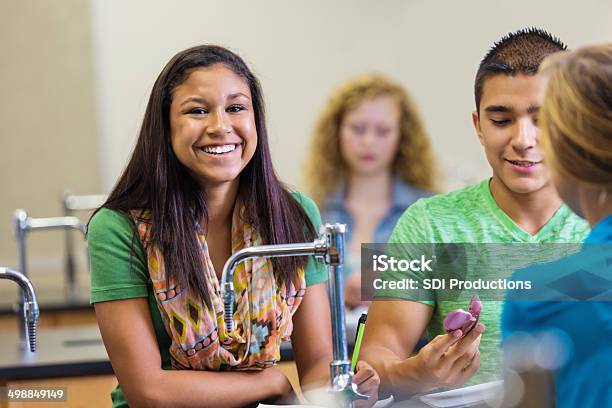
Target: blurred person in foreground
557 335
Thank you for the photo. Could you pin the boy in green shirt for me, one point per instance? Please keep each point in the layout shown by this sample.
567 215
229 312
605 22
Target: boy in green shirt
518 204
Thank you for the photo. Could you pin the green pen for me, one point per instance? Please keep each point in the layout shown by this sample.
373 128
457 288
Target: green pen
358 338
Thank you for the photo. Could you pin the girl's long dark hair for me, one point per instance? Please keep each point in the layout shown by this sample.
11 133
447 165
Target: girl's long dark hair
154 179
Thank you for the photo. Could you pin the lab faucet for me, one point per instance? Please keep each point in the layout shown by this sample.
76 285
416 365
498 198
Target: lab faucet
28 309
329 247
25 224
71 203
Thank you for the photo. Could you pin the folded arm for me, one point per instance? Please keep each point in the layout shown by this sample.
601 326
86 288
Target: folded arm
129 338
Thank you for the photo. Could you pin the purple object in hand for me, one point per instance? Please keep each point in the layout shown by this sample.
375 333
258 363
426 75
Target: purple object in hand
460 319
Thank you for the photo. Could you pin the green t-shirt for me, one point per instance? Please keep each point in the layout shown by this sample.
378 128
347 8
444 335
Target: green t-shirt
110 237
471 215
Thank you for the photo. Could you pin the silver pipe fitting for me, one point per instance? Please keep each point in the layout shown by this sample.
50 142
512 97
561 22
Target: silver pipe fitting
29 307
316 248
329 247
71 203
25 224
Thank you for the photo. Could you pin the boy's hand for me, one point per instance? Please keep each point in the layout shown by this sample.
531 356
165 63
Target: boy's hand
449 360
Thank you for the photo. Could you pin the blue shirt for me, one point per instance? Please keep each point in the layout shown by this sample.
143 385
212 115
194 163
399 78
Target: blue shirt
334 210
570 310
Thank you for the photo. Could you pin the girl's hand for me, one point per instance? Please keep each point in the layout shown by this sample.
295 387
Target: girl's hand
367 381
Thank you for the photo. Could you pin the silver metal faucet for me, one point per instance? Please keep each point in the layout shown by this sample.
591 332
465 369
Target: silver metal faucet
23 225
71 203
29 307
329 247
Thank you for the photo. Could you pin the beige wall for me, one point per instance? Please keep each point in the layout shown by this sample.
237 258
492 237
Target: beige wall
301 49
48 130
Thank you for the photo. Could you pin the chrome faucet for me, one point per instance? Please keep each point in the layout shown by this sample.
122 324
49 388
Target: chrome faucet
29 307
329 247
25 224
71 203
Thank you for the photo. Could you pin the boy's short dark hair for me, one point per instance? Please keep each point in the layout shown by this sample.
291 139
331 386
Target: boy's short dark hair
519 52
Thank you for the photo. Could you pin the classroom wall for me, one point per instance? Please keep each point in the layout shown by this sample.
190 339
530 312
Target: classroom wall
302 49
48 126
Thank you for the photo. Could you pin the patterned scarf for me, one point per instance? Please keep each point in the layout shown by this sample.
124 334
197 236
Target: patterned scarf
263 309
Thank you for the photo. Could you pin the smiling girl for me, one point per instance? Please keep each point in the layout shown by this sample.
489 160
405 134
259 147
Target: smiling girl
200 186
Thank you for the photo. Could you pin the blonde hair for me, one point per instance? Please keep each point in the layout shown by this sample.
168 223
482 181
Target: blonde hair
414 161
576 117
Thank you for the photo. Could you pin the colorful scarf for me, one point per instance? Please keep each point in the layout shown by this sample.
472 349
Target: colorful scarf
263 309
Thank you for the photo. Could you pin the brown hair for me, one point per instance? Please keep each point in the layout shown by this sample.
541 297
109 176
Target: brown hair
414 161
576 117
